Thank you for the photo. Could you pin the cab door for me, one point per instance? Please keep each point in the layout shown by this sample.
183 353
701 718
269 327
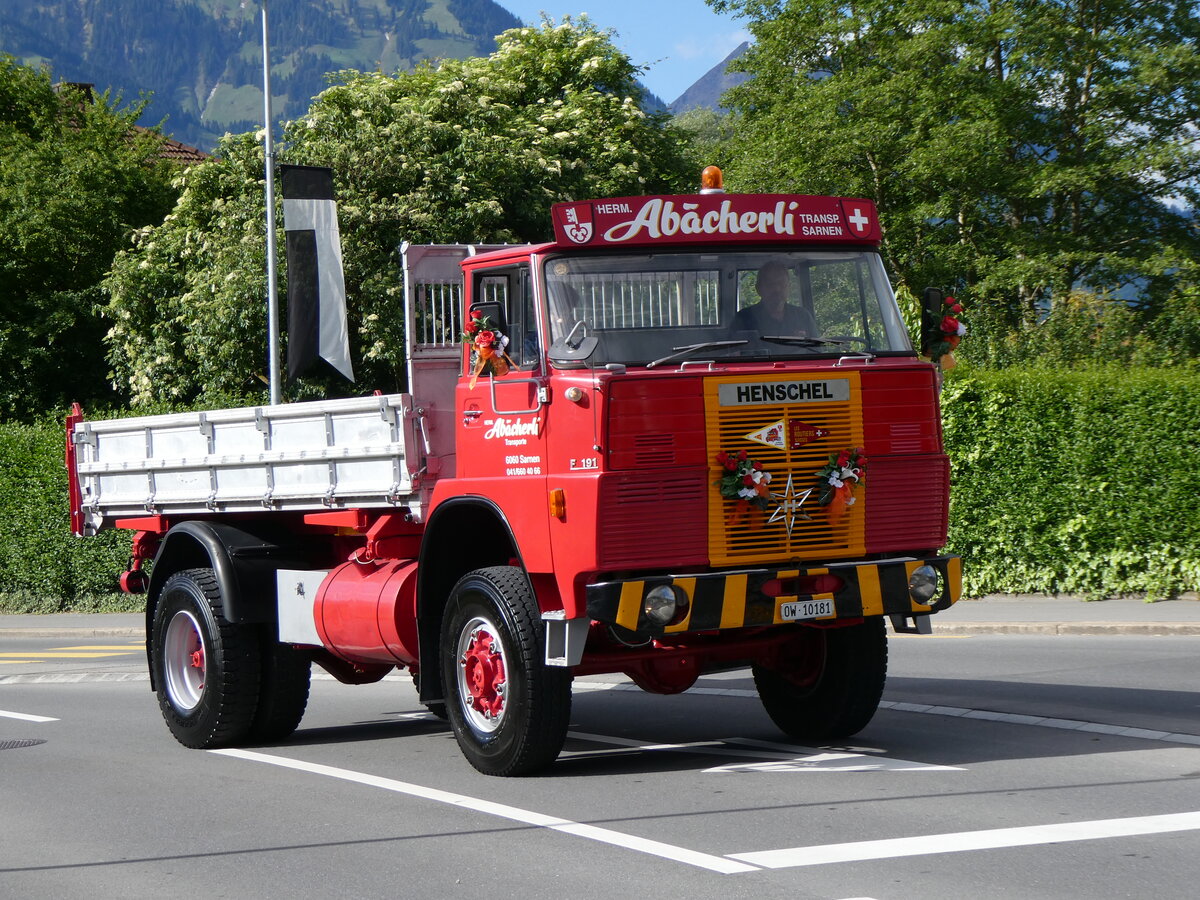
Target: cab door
502 426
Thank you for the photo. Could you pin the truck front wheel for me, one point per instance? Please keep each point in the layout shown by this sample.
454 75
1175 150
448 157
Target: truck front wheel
831 687
206 670
508 710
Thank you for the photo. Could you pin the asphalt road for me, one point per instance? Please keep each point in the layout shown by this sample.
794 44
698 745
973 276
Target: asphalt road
1000 767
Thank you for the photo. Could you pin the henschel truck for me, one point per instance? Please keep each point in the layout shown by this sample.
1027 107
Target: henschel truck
689 434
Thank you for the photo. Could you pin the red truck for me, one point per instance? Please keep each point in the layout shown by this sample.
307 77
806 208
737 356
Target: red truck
689 434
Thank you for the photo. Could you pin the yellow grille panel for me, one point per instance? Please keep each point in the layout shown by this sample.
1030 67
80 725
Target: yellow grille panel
822 416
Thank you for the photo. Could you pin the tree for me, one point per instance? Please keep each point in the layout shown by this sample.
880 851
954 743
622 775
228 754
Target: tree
710 133
463 151
187 301
75 177
1019 149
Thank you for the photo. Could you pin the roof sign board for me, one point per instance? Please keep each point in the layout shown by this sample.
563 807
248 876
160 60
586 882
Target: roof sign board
715 218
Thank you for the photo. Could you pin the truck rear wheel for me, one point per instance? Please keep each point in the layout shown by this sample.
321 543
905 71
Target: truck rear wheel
206 670
283 693
834 688
509 711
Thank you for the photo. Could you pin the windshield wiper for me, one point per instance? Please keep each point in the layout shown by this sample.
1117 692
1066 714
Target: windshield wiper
694 348
820 342
803 341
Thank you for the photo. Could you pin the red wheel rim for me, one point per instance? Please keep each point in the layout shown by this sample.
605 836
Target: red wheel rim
482 674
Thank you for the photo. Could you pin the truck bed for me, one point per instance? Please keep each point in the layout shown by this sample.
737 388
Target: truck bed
330 454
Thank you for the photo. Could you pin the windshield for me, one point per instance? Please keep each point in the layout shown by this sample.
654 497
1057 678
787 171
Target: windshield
768 304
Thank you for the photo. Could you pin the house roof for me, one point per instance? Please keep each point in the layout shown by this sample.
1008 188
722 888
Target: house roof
176 151
173 150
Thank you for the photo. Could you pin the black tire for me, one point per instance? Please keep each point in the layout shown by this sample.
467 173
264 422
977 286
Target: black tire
509 711
437 710
835 690
206 670
283 694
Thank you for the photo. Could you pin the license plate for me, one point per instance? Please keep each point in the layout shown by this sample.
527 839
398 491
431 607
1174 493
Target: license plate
796 610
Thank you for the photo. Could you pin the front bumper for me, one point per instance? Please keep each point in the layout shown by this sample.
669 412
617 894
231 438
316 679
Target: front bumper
748 598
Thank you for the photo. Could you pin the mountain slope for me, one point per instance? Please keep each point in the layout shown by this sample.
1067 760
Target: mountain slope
707 91
202 58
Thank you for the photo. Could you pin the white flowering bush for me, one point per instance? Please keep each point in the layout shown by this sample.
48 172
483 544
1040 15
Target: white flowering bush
465 151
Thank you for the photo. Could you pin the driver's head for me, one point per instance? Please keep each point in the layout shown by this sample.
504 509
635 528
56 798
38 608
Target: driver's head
772 282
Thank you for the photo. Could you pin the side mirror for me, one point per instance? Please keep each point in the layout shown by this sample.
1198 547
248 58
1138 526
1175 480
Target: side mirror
565 353
931 316
494 311
932 304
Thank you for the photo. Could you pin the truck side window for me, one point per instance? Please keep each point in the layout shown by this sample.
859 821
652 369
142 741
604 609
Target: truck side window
513 288
530 349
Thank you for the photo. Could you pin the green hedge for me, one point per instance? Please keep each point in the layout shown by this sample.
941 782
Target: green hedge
1083 482
43 567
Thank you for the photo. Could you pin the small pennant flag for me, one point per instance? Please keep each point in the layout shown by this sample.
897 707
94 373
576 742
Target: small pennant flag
772 436
315 285
801 433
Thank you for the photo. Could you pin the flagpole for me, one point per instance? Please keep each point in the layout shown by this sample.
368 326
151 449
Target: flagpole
272 256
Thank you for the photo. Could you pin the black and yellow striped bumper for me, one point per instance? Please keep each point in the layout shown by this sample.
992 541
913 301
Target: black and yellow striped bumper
736 599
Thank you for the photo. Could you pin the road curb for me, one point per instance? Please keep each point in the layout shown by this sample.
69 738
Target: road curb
73 631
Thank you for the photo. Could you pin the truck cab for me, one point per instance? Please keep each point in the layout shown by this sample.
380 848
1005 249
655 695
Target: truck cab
655 350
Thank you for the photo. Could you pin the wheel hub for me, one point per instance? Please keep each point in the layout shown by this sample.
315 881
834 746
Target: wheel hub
482 675
183 661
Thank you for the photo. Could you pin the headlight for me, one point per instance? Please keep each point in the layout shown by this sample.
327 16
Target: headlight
664 604
924 584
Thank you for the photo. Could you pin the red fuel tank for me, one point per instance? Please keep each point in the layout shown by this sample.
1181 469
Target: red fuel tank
367 612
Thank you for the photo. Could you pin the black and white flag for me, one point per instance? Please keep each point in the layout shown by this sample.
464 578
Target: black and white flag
316 288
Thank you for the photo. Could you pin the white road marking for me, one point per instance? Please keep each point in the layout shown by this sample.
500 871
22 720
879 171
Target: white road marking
133 647
524 816
74 678
783 757
25 717
992 839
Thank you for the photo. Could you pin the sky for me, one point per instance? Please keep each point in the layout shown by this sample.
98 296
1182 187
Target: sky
680 40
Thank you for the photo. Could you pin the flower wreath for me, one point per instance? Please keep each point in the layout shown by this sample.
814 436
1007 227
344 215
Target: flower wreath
743 479
946 334
487 343
837 479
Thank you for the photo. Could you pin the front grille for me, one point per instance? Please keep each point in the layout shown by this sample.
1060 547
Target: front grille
793 525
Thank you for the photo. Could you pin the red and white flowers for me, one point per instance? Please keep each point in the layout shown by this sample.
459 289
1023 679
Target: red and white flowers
950 330
487 345
837 479
743 479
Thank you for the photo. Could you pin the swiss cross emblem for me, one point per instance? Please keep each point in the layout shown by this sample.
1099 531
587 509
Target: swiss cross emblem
860 220
577 222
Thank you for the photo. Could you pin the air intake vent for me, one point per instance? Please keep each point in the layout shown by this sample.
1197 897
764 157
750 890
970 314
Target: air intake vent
653 518
654 449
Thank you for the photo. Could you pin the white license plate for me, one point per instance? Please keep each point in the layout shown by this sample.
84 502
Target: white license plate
796 610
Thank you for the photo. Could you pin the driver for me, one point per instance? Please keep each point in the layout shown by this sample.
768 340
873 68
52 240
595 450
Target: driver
773 315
